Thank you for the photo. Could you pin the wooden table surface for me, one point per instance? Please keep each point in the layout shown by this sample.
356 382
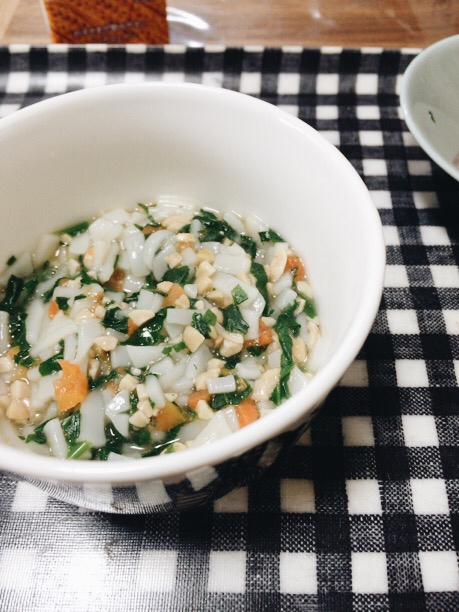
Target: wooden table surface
386 23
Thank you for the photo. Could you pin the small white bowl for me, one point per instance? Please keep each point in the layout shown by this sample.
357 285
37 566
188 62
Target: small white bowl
430 101
66 158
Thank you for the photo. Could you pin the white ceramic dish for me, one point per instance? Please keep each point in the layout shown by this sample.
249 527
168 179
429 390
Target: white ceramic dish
68 157
430 102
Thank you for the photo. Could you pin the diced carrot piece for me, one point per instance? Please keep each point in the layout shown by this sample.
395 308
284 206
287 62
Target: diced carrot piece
196 396
169 417
265 336
131 327
247 412
295 263
72 388
174 293
53 309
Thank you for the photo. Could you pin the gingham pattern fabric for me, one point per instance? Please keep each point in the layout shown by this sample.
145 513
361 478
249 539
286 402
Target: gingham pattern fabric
363 513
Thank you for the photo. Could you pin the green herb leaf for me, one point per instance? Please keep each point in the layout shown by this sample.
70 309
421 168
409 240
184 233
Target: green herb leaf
12 293
175 347
256 351
149 333
38 436
239 295
261 280
140 437
180 275
285 324
18 338
116 319
215 229
133 297
309 307
10 261
249 245
71 427
233 321
270 236
114 442
50 366
74 230
219 400
47 295
203 322
63 303
77 449
151 220
101 381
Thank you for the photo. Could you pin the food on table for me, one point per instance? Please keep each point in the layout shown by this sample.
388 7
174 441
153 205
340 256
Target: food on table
107 21
150 331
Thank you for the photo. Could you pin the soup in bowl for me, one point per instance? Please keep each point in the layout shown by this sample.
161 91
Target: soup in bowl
168 185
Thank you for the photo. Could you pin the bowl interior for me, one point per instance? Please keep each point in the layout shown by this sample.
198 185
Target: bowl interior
70 157
429 97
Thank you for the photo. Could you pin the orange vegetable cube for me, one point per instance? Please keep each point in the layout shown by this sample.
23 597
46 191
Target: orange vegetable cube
265 336
169 417
196 396
295 263
53 309
72 387
247 412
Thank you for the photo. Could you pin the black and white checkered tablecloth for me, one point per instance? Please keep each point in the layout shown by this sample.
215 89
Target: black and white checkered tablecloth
363 513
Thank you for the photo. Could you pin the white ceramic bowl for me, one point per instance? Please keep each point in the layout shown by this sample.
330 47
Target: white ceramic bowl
67 158
430 101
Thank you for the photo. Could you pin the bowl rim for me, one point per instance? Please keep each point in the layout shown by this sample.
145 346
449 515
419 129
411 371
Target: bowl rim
406 101
294 409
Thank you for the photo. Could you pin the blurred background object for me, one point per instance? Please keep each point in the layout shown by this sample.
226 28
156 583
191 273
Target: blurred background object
107 21
7 10
355 23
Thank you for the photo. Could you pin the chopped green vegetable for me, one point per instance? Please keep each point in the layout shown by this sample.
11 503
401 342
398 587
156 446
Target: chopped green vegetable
261 280
180 275
256 351
50 366
270 236
10 261
101 381
77 449
215 229
38 436
203 322
71 427
151 220
12 293
63 303
116 319
249 245
114 442
285 324
220 400
18 338
140 437
175 347
74 230
233 321
149 333
239 295
47 295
